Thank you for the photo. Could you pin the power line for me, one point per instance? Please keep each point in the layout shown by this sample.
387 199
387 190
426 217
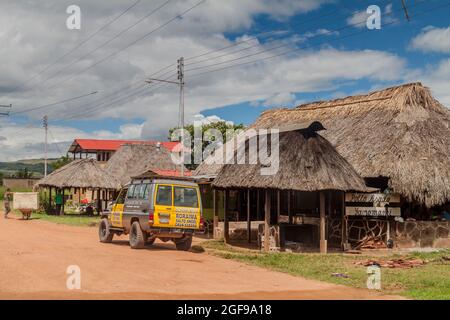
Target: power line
294 50
322 35
79 45
132 43
256 37
108 41
54 103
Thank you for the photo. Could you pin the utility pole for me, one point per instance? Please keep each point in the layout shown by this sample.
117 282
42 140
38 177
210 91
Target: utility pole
405 8
181 79
45 124
181 84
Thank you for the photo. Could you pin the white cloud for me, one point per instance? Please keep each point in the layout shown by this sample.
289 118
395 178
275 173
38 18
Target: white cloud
280 99
433 39
28 47
437 78
359 18
27 142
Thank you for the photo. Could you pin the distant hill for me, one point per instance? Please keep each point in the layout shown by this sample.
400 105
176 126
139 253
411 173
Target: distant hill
36 166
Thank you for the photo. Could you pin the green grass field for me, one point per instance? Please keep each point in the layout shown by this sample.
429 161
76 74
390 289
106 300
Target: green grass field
431 281
67 219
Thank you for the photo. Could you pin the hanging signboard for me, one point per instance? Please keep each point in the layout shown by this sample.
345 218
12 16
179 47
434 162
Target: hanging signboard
372 205
372 197
373 212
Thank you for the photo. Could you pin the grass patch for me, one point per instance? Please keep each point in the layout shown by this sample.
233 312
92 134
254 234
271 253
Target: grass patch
431 281
67 219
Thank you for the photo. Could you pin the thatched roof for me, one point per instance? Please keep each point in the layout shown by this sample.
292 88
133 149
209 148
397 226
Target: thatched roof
402 133
132 160
307 162
83 173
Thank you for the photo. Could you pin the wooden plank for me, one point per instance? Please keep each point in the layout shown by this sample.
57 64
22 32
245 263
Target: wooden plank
278 206
226 226
249 224
323 241
267 222
372 197
216 214
373 211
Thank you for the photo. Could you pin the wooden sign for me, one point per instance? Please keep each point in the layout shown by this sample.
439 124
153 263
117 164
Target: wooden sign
373 211
372 197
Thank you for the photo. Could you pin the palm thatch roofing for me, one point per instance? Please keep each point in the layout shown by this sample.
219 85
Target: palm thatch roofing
307 162
401 133
83 173
132 160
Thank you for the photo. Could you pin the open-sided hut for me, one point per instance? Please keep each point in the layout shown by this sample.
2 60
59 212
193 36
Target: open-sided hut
83 174
309 170
133 159
398 140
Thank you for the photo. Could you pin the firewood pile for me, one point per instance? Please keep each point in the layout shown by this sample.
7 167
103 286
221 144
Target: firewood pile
394 263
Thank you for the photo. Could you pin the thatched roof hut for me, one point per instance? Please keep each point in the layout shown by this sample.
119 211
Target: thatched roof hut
307 162
83 173
131 160
401 133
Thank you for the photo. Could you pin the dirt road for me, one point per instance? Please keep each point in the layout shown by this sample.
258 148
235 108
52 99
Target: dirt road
34 256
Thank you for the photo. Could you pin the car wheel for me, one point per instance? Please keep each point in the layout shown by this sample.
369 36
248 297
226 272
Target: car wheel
104 233
137 238
184 244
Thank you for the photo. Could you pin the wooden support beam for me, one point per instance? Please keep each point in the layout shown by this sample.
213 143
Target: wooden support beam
249 221
344 237
267 221
226 225
278 205
216 214
258 207
323 241
290 206
63 201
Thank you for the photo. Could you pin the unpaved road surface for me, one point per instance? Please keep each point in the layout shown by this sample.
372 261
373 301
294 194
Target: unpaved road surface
34 256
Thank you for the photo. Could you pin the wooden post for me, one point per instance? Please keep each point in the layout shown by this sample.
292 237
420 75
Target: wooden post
290 206
216 214
344 238
249 222
323 241
226 225
99 202
278 206
258 207
63 201
267 221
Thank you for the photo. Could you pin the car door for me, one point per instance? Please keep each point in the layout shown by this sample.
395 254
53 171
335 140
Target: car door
163 199
117 210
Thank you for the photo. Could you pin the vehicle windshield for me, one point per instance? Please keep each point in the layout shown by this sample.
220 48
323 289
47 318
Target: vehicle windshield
185 197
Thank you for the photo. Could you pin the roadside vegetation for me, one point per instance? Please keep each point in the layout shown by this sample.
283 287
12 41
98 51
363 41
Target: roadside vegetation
430 281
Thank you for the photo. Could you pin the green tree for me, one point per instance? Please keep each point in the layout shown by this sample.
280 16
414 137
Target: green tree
61 162
23 174
221 126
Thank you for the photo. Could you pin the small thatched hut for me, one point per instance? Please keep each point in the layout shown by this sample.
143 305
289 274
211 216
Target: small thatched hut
307 167
133 159
80 174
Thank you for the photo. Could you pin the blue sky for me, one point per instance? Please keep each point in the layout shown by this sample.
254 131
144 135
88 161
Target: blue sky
330 57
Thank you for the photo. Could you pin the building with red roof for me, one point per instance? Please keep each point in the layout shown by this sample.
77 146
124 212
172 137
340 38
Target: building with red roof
102 150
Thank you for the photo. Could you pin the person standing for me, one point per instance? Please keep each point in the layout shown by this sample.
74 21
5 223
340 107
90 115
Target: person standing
7 198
